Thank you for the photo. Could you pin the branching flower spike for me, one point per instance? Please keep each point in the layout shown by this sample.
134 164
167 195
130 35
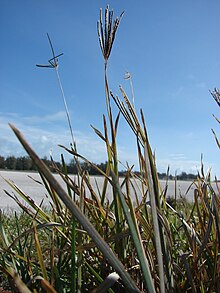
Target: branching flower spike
216 95
107 31
53 62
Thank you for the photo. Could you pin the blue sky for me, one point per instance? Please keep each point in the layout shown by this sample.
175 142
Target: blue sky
171 48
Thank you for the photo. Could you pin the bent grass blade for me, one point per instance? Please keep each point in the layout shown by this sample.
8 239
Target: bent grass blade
101 244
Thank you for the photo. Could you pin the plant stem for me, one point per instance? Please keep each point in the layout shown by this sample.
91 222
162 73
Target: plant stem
66 107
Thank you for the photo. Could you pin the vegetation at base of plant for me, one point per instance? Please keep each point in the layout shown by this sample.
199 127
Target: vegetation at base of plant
192 235
84 243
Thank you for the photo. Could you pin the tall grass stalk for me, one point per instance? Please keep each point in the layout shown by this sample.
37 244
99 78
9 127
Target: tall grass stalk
66 107
151 176
54 64
106 33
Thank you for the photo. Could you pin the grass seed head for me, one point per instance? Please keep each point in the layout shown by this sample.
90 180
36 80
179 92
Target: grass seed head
107 31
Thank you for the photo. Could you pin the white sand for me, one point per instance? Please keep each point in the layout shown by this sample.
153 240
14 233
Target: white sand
38 192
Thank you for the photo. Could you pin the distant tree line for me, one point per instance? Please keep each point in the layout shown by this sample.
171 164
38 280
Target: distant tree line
25 163
182 176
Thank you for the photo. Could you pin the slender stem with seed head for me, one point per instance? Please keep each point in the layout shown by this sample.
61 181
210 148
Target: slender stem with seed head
66 107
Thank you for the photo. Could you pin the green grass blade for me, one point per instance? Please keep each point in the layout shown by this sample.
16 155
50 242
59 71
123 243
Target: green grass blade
73 256
135 236
155 218
39 254
101 244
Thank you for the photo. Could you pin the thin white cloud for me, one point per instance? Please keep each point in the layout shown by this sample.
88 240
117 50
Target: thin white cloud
54 117
45 140
177 156
178 165
182 163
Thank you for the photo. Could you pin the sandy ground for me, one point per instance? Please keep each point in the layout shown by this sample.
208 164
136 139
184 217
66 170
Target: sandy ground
31 184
